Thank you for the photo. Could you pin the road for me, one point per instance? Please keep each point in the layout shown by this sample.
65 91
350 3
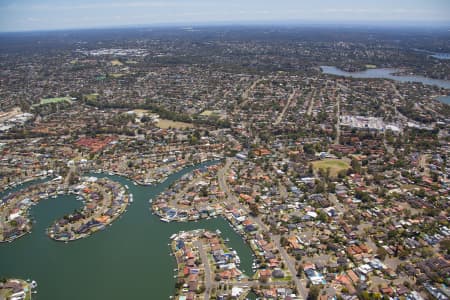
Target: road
208 278
289 262
257 284
423 164
311 103
399 116
291 97
389 149
338 122
231 198
72 172
245 94
338 112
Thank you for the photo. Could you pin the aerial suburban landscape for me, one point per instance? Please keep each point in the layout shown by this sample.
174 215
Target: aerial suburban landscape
225 162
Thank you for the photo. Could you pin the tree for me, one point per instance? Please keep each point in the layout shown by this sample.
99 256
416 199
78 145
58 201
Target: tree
254 209
331 187
300 271
381 253
314 292
356 165
445 245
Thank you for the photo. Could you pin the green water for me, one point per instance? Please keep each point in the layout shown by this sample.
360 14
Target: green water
128 260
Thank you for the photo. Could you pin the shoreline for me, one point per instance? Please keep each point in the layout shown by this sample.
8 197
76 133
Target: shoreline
70 191
66 191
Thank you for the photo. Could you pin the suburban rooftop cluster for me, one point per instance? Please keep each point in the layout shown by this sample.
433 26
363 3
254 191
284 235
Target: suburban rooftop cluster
338 184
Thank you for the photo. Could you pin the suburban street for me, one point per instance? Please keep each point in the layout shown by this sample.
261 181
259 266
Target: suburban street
286 107
208 279
245 94
289 262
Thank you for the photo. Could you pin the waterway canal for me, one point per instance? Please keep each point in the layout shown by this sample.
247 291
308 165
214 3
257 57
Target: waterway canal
128 260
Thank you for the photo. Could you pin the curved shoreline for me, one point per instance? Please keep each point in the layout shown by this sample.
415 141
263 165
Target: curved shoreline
230 230
69 191
97 221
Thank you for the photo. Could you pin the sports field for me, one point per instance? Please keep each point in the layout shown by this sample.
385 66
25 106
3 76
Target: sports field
335 165
45 101
116 62
92 96
164 124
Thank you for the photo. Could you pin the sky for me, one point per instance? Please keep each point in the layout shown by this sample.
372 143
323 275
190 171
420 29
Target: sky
25 15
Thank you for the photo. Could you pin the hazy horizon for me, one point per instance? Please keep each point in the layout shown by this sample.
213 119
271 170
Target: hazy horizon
29 15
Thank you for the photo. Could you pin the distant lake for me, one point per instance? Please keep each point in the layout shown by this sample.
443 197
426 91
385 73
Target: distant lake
441 55
386 74
438 55
444 99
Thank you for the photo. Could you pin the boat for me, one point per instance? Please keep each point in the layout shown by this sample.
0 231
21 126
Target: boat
218 231
173 236
165 220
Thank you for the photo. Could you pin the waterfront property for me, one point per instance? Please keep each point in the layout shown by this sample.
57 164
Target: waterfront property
16 289
147 262
104 201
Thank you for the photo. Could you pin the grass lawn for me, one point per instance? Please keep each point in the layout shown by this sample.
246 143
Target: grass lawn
335 165
213 113
207 113
410 187
53 100
117 75
93 96
116 62
163 123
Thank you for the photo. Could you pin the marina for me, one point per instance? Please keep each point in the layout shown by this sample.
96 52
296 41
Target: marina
136 245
